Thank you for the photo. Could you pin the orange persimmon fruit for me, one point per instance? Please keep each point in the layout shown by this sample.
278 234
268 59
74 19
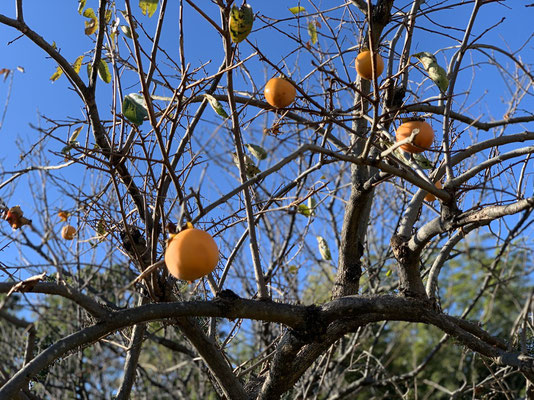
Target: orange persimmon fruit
429 196
363 65
421 142
279 92
191 254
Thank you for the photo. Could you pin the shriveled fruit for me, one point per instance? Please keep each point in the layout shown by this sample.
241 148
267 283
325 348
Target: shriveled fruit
279 92
63 215
191 254
429 196
68 232
421 142
14 216
363 65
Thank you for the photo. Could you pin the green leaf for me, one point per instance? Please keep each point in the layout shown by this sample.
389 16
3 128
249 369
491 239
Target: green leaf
134 108
217 107
388 273
78 64
81 5
304 210
435 71
296 10
312 31
56 74
66 150
240 22
256 151
422 161
148 7
103 71
128 32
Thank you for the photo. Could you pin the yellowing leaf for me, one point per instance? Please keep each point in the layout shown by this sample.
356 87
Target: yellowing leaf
324 250
78 64
107 16
304 210
75 134
312 31
240 22
56 74
81 5
92 25
103 71
89 13
296 10
148 7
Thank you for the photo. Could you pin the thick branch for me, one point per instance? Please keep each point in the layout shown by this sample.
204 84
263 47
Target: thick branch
365 309
88 303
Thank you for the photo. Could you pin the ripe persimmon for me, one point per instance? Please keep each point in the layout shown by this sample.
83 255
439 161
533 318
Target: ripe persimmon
279 92
363 65
191 254
68 232
429 196
421 142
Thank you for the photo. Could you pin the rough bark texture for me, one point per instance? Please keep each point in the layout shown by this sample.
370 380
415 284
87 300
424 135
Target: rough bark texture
353 234
357 212
408 263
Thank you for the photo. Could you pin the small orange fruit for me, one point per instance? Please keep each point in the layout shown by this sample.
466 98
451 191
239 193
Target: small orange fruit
68 232
421 142
191 254
429 196
363 65
279 92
